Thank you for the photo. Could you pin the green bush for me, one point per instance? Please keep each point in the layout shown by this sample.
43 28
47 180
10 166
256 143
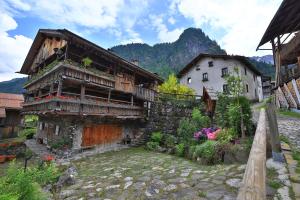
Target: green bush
191 153
18 184
156 137
207 151
186 131
27 133
152 146
169 140
221 111
180 149
200 120
226 135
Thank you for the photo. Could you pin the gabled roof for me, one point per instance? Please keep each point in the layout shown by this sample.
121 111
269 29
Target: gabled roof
242 59
68 35
11 101
286 20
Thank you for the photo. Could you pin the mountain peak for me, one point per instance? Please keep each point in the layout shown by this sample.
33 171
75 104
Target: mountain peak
164 58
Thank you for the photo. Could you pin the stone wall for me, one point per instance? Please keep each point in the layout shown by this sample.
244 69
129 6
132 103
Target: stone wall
165 116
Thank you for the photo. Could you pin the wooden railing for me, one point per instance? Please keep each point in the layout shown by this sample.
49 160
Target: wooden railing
144 93
74 106
253 186
254 182
68 71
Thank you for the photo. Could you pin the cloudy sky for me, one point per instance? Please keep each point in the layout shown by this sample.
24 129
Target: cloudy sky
237 25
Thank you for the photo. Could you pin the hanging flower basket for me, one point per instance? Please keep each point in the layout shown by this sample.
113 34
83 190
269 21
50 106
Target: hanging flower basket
10 157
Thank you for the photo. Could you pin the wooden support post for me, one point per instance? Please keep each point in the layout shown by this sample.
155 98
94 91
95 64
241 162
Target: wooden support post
132 100
40 93
59 88
82 92
51 89
254 181
274 133
109 94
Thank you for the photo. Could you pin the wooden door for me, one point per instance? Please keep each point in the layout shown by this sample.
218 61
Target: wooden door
101 134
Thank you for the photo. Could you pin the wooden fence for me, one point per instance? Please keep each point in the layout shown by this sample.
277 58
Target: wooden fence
253 186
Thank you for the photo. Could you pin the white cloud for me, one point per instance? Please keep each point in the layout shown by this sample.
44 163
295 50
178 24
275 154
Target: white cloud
86 13
164 35
13 48
171 20
244 21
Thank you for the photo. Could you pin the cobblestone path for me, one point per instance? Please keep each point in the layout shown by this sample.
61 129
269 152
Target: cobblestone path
290 127
138 174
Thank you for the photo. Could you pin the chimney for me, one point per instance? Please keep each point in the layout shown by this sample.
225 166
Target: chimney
135 62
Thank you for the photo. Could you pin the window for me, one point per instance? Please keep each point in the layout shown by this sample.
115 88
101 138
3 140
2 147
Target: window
205 77
56 130
225 89
197 68
245 70
247 88
224 72
189 80
210 63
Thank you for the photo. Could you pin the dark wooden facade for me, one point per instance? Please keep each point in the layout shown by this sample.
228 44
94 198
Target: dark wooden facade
10 114
61 84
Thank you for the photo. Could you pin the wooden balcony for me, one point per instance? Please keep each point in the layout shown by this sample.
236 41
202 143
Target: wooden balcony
68 71
144 93
89 106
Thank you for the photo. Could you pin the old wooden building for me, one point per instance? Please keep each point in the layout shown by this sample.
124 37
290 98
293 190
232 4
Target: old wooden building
284 37
10 117
84 95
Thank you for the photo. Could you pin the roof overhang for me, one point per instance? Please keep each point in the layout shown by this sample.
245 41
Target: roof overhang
241 59
286 20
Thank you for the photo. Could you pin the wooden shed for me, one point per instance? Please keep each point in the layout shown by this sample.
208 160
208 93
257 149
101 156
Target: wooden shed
10 118
210 98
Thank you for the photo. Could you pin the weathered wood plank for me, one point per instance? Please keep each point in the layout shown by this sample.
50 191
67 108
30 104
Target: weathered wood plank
253 186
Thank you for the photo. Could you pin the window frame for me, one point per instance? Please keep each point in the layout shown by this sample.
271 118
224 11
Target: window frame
210 63
224 69
205 76
189 80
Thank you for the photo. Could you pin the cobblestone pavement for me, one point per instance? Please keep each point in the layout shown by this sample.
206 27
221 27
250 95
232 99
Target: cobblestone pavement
290 127
138 174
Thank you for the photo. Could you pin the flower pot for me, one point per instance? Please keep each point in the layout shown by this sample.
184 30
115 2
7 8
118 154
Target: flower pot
2 158
10 157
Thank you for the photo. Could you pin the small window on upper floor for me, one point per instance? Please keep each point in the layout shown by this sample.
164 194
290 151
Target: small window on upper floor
247 88
189 80
197 68
245 70
205 77
224 72
225 89
210 63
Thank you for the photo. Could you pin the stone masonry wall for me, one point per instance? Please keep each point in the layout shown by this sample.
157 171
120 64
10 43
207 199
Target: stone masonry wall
166 116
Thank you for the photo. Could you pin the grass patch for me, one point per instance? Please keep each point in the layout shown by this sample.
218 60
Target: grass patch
202 194
275 184
289 113
285 139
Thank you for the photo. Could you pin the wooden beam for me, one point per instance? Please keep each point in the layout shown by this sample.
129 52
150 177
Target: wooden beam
282 98
296 90
132 100
253 186
290 97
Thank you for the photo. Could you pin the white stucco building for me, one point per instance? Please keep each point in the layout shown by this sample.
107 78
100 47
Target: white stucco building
209 71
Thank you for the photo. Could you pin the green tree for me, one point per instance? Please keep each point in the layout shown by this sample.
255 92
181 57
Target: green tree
172 87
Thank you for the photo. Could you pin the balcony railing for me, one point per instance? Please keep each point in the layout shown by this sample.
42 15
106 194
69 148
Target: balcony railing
74 106
63 69
144 93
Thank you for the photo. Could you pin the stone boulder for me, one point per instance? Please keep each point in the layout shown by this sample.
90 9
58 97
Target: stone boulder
67 178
